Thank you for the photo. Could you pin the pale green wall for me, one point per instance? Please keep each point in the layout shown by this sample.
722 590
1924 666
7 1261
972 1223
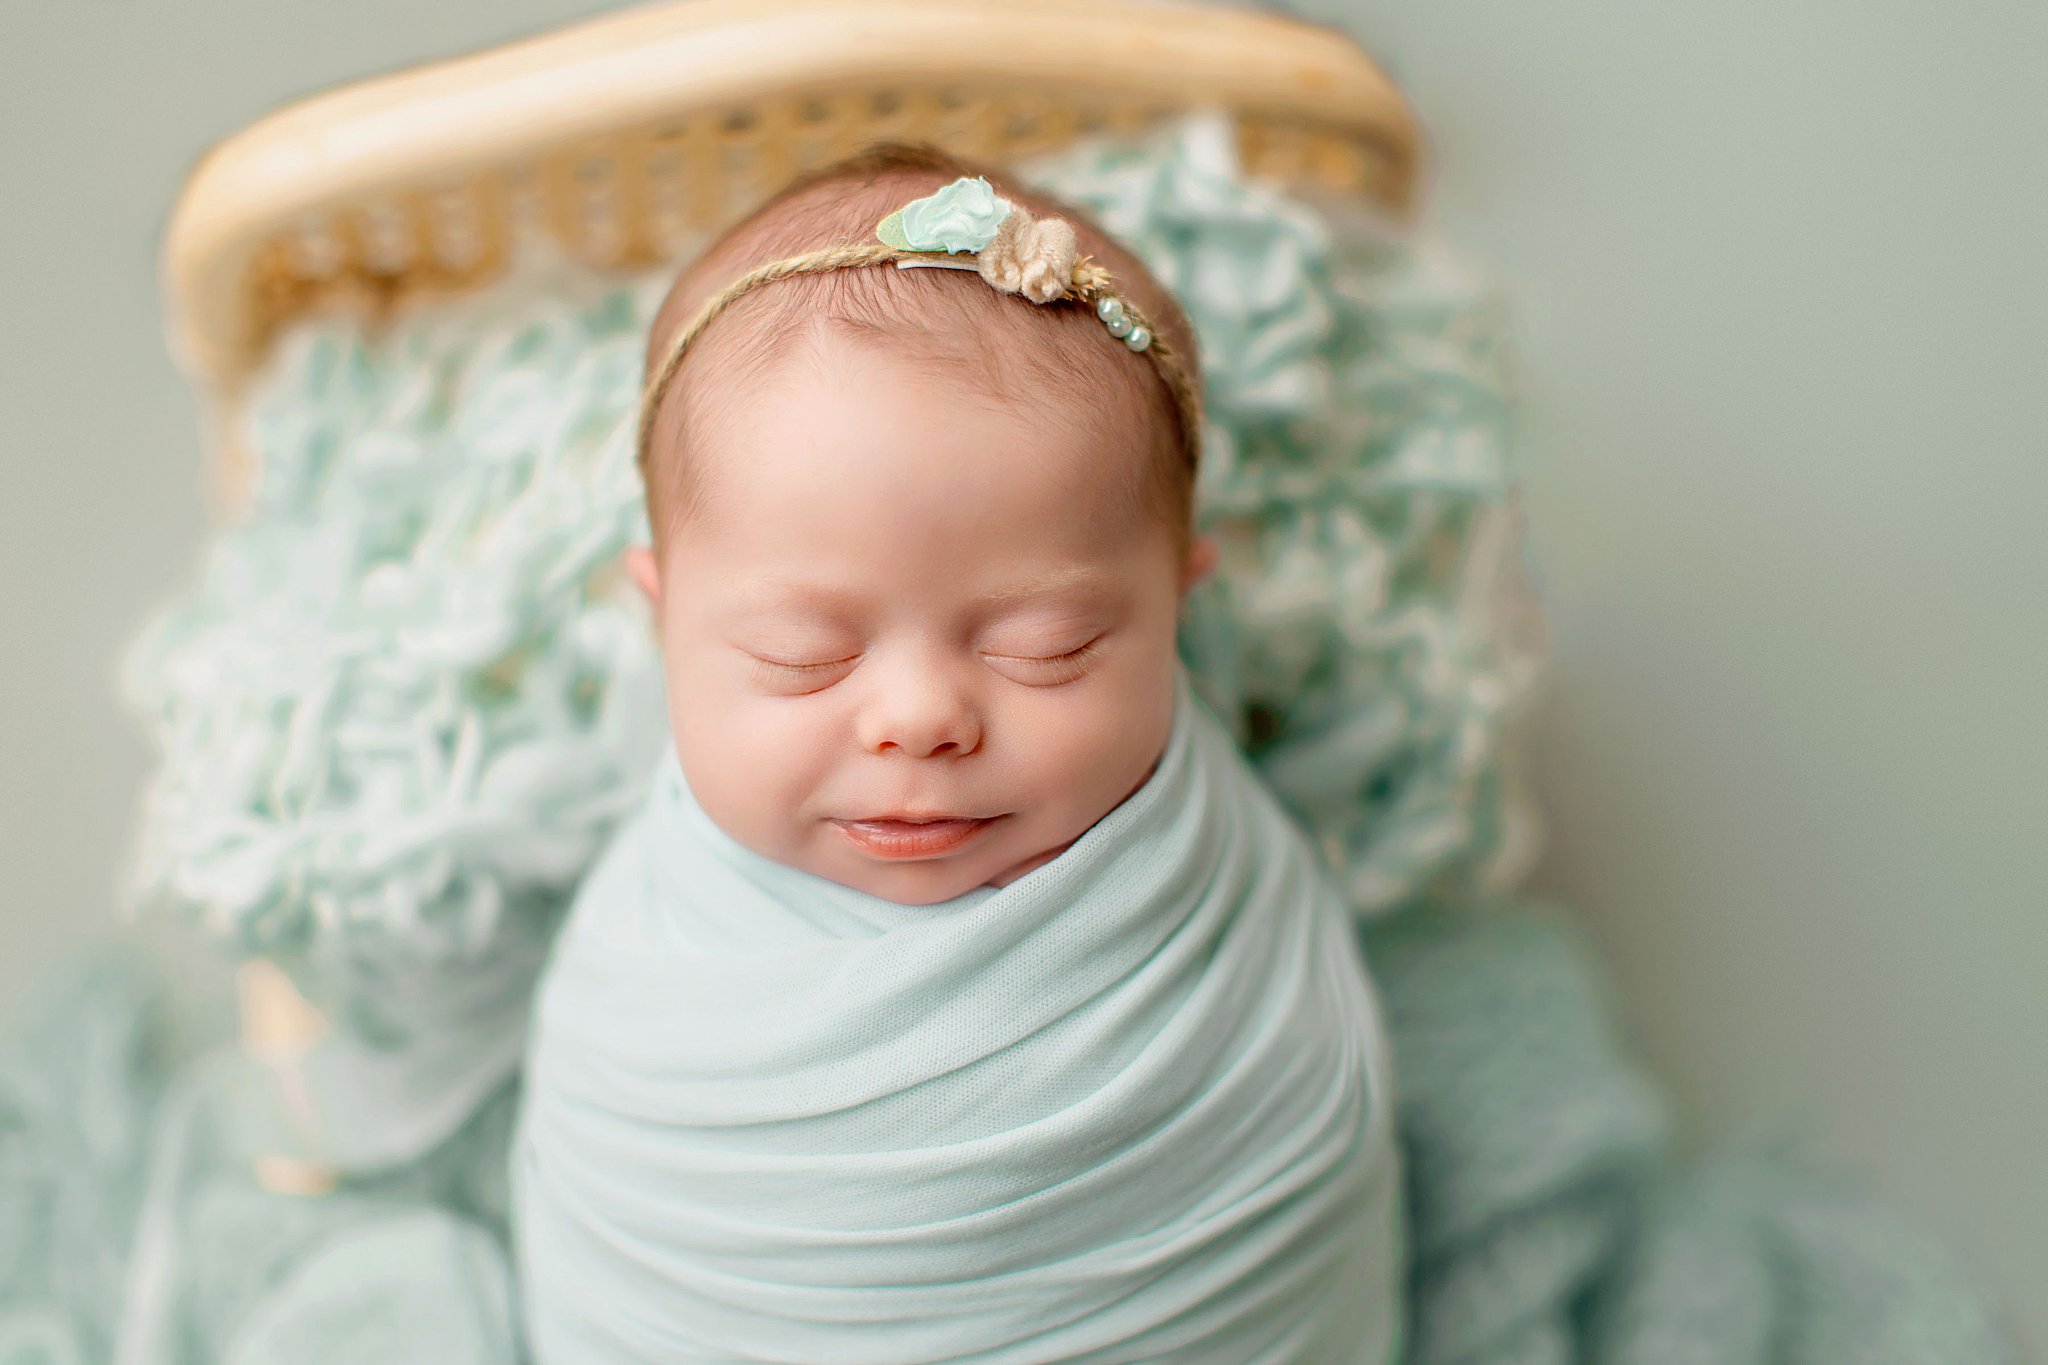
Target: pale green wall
1783 308
1782 294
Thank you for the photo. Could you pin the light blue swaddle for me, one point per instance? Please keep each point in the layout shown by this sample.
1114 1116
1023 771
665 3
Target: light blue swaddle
1133 1106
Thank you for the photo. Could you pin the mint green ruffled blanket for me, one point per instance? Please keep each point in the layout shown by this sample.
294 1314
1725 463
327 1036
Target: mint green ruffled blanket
1133 1106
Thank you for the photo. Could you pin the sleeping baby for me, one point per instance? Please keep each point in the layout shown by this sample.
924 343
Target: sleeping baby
959 992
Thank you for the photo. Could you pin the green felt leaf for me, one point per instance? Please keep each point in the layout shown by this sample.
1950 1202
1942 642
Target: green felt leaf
890 231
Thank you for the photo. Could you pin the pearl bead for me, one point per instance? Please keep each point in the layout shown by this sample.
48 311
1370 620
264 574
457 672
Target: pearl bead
1109 308
1119 326
1139 339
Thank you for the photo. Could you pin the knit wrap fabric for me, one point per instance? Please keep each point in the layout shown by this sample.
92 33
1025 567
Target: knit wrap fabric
1134 1105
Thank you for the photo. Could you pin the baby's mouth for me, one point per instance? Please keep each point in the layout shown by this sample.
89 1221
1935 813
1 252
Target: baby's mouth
921 838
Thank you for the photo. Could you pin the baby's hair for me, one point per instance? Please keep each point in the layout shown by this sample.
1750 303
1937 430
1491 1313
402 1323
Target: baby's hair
808 243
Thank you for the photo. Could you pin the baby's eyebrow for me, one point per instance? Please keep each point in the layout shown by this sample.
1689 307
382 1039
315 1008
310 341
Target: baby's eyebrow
776 593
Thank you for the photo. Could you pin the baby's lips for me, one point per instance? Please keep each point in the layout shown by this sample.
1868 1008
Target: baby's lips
913 839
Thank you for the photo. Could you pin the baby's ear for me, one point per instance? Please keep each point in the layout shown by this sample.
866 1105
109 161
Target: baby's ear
641 564
1201 560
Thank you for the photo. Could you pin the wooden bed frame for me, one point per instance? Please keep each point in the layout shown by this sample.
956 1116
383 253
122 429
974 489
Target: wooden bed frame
626 138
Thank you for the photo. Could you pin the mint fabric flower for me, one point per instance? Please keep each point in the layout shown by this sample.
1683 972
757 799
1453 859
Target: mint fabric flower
963 216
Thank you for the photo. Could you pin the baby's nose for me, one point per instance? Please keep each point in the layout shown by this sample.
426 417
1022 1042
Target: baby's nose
924 717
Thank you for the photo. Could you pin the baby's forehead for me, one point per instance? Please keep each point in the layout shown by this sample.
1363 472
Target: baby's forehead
979 380
881 459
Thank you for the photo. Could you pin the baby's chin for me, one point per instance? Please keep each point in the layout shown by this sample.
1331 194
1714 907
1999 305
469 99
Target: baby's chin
933 881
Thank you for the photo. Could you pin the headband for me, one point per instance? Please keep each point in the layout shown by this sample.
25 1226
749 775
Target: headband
1037 258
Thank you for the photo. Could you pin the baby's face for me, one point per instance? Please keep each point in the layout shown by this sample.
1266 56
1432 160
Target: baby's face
905 598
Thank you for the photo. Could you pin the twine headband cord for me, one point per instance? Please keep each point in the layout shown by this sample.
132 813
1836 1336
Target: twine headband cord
1014 252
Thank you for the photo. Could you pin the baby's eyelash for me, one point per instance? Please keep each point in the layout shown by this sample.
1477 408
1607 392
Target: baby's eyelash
803 668
768 670
1070 665
1067 667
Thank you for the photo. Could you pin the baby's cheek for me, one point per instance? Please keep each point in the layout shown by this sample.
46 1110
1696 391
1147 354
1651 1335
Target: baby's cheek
788 751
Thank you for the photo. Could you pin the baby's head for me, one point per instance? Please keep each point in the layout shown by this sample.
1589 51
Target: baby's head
920 545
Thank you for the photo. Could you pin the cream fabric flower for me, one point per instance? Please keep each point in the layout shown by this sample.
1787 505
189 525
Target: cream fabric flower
1032 257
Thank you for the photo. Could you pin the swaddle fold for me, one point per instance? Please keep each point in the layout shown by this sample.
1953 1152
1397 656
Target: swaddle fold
1133 1106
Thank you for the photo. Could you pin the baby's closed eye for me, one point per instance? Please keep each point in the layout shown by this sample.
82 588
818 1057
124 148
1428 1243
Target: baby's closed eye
1049 669
1039 665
